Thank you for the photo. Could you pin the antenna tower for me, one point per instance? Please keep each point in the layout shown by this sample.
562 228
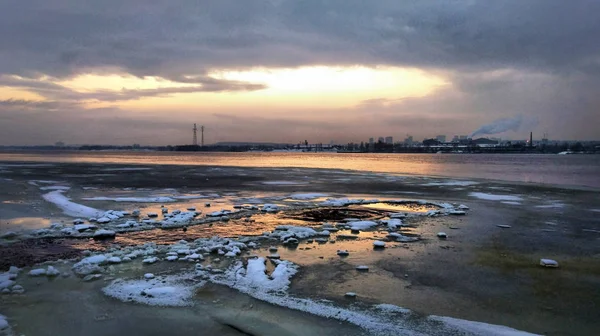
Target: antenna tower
195 141
202 135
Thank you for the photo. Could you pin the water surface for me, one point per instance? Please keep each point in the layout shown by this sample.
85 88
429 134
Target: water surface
571 170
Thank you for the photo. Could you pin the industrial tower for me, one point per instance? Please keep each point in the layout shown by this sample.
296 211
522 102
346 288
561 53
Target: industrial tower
195 141
202 132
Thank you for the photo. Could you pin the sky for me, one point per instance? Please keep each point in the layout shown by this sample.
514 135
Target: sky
124 72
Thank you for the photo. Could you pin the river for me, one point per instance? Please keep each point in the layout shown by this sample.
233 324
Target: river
564 170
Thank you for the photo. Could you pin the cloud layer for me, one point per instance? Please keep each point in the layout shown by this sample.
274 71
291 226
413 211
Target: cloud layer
538 58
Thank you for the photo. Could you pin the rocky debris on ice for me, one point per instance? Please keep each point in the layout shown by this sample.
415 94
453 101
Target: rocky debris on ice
549 263
272 249
148 276
51 271
104 234
152 214
457 213
463 207
442 235
362 268
504 226
350 295
343 253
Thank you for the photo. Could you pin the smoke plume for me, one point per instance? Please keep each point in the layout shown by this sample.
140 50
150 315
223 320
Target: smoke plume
500 126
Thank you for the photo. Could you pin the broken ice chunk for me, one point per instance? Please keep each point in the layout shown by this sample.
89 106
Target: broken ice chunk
548 263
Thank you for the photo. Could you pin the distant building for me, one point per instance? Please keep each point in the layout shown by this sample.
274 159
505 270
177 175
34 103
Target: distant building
485 141
381 139
371 142
463 137
455 138
59 144
441 138
389 140
430 142
409 140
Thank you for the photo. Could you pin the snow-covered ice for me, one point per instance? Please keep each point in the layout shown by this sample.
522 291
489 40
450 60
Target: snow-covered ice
3 322
478 328
452 183
102 234
70 208
495 197
511 202
548 263
283 183
378 244
307 196
362 225
170 290
159 199
37 272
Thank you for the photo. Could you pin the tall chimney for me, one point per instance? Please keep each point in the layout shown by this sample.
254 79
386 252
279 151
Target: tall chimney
530 139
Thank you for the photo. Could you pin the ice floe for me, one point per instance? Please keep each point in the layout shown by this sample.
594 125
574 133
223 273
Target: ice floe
171 290
495 197
284 183
4 326
548 263
362 225
452 183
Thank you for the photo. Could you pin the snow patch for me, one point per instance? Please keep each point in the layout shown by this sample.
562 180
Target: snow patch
307 196
132 199
70 208
167 291
452 183
495 197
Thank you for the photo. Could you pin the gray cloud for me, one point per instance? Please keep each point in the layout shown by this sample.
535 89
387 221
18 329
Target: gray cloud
504 58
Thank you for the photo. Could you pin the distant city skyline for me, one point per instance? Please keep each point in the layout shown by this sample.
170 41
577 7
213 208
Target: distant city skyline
285 71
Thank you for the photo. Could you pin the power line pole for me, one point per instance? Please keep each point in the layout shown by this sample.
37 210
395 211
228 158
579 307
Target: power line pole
195 141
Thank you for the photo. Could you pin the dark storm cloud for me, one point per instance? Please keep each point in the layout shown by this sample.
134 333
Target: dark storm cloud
61 37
